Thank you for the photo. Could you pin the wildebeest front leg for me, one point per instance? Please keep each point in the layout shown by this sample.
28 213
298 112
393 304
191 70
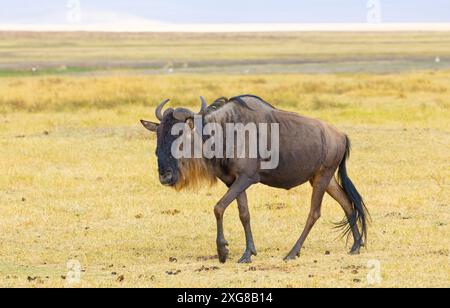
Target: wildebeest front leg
238 187
244 214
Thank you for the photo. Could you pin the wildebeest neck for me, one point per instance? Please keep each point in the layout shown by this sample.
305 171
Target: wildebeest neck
238 100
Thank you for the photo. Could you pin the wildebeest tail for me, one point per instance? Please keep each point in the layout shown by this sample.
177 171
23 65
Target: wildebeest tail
360 215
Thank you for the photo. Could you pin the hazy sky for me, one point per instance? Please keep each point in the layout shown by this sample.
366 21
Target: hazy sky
228 11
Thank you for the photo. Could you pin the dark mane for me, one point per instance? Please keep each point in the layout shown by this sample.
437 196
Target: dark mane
222 101
241 101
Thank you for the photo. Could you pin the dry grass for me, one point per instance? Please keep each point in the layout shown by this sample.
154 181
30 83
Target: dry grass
98 48
361 98
79 181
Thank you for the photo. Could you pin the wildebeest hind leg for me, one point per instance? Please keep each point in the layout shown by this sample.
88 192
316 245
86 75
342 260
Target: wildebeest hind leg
338 194
244 215
320 184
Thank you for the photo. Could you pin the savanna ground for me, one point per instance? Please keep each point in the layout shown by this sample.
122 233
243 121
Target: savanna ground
79 179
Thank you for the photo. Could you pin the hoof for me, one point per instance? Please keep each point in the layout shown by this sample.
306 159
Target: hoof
291 257
354 252
223 254
247 257
356 248
245 260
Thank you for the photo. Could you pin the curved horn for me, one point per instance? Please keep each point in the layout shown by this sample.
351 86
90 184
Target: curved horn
182 114
204 105
158 112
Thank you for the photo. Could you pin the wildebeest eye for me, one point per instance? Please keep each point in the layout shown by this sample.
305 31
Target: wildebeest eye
190 123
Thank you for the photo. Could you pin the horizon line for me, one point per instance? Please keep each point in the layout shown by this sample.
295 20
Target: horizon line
231 27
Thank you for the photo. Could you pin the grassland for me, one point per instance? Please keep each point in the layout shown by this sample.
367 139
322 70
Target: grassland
79 178
58 53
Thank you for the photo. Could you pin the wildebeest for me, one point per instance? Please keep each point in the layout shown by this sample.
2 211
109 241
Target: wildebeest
309 151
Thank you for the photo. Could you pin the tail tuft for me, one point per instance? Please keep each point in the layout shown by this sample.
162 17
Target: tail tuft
360 215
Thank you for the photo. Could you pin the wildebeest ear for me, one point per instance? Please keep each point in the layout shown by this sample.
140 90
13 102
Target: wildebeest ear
153 127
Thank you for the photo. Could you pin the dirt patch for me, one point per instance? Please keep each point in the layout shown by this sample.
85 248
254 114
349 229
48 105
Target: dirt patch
393 214
397 215
171 212
442 252
354 269
207 258
173 273
265 268
207 269
276 206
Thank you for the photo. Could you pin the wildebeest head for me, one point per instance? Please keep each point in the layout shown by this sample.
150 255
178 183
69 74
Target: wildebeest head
170 169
